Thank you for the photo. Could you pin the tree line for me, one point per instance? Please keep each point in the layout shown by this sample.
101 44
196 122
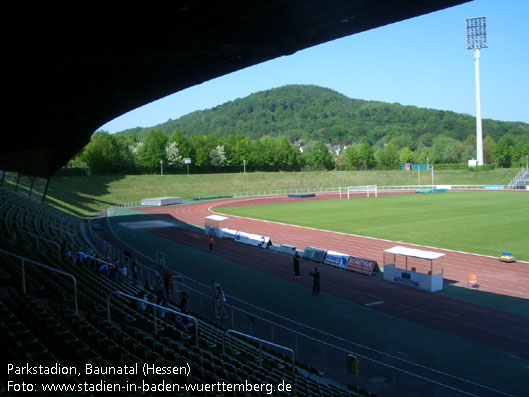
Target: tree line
305 113
107 154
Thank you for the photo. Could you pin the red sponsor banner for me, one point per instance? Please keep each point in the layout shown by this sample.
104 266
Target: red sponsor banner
361 265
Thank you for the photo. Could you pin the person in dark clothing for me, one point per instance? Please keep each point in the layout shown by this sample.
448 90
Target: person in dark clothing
295 262
167 282
135 271
316 285
183 302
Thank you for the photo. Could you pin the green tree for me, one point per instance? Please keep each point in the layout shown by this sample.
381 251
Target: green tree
217 156
321 157
469 153
242 151
488 150
425 139
351 158
202 146
184 147
502 152
107 154
315 113
173 156
267 154
287 156
366 155
519 153
406 155
152 151
388 157
445 150
423 154
126 157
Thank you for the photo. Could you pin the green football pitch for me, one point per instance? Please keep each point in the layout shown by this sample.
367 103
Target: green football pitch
487 223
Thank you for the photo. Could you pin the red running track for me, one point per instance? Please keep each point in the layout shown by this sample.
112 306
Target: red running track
490 327
510 279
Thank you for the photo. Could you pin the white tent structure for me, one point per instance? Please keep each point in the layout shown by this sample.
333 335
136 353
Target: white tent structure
415 268
214 225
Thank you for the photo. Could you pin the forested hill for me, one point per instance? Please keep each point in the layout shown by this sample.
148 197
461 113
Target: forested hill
314 113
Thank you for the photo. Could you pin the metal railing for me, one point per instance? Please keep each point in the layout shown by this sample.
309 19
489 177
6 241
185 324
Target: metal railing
261 341
26 260
120 206
38 239
155 306
521 179
327 353
144 273
342 190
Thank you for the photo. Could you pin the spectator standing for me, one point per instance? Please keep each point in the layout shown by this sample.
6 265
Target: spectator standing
221 300
159 285
124 273
135 271
159 311
295 262
167 280
141 304
316 285
214 293
184 302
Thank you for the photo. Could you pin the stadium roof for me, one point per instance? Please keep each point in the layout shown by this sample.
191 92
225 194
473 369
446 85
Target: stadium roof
71 67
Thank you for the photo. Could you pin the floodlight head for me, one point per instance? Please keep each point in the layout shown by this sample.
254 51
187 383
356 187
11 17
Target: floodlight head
477 33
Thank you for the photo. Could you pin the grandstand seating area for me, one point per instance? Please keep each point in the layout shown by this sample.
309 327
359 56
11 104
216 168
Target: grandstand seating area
41 326
520 181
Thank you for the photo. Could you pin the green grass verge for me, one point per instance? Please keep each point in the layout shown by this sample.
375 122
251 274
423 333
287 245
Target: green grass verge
86 195
487 223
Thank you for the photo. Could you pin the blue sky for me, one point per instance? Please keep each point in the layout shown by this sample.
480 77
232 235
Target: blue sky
422 62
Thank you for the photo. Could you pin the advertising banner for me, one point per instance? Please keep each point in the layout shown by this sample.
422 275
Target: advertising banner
283 248
336 259
228 233
314 254
406 278
361 265
252 239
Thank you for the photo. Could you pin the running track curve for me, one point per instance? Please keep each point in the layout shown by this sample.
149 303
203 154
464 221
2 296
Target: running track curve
491 327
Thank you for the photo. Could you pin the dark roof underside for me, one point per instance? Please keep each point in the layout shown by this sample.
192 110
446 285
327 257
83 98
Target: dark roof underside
71 67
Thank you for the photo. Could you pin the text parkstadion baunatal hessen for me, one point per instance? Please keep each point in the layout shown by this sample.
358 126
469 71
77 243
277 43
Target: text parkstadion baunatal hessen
135 370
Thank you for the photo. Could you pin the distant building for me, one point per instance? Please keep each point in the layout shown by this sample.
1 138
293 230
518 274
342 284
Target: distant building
335 150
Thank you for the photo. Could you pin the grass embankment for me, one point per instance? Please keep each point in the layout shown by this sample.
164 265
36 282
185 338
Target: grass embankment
485 223
86 195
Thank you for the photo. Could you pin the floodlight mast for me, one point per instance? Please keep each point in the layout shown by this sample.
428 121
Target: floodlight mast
477 39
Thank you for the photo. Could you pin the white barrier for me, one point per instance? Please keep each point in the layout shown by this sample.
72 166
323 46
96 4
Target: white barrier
283 249
337 259
252 239
228 233
159 201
